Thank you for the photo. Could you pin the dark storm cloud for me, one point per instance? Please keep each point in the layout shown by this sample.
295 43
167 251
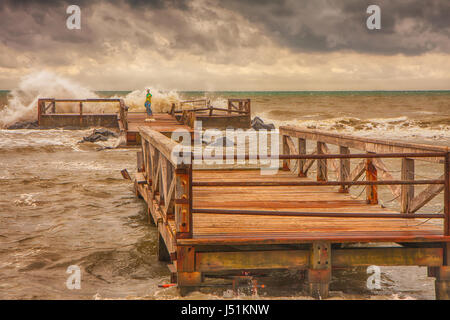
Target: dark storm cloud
232 32
409 27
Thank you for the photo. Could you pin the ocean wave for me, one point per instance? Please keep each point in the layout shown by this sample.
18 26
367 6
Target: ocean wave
435 130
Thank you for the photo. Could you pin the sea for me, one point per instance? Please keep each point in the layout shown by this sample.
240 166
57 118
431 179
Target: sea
65 203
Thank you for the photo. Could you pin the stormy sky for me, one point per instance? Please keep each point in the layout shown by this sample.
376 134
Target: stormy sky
230 44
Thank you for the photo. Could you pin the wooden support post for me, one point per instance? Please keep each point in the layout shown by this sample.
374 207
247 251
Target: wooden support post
81 113
183 203
344 168
322 171
151 221
447 200
41 110
285 151
407 191
140 162
53 106
163 253
319 273
442 282
301 162
187 277
371 175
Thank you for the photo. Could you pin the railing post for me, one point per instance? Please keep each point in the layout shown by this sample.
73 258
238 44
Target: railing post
183 202
285 151
322 170
344 168
41 110
447 199
371 175
407 191
301 162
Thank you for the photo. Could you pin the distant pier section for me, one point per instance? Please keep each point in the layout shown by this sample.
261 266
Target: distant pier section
52 113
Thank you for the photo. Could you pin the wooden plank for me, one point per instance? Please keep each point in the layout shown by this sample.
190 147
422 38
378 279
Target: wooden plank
343 258
425 196
218 261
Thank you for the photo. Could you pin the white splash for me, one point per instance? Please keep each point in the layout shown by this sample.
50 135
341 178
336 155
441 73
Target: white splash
22 101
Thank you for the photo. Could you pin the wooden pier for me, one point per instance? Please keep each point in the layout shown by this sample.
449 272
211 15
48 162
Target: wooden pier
236 115
237 221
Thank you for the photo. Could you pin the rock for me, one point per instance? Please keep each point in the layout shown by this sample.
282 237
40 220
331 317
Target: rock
24 125
99 135
105 132
258 124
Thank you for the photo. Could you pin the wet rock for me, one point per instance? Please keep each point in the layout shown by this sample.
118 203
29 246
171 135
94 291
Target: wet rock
258 124
105 132
99 135
24 125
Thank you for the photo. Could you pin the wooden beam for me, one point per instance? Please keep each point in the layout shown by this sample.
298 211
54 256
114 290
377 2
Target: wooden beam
308 164
285 151
358 171
183 204
425 196
301 162
407 191
292 150
387 257
385 175
344 168
322 170
216 261
371 175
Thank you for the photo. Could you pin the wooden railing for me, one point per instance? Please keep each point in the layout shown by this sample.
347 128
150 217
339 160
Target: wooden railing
372 165
240 105
169 181
49 106
371 184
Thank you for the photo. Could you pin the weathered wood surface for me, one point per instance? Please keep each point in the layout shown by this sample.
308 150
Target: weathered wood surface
217 228
360 143
164 123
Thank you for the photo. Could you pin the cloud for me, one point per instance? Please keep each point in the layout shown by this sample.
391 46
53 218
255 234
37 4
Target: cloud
197 44
409 27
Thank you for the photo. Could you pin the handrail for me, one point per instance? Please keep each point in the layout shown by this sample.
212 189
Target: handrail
170 182
403 189
164 144
361 143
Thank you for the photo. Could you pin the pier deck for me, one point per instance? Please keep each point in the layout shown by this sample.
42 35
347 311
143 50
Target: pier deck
164 123
212 221
210 228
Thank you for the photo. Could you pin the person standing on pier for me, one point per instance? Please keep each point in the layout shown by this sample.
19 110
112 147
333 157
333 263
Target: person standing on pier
148 106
